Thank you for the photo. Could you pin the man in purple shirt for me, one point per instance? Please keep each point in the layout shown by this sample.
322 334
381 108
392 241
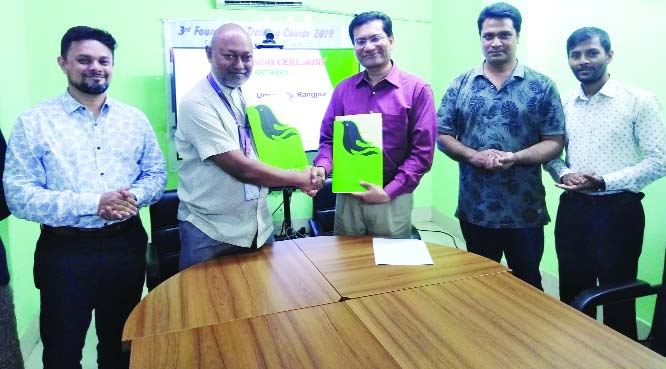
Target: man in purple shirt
409 129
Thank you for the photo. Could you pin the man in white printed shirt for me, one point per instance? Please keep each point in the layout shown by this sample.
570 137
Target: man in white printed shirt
615 145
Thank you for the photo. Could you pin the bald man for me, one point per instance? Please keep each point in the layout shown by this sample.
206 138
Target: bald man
222 185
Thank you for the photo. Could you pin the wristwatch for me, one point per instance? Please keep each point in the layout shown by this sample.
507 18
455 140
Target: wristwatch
601 186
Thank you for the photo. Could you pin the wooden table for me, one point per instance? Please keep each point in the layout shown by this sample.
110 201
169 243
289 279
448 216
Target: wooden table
348 263
273 279
494 321
463 312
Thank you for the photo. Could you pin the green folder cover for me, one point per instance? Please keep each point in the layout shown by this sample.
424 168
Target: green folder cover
357 152
277 144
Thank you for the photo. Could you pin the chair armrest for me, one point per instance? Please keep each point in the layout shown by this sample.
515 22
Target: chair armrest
614 292
315 228
415 235
152 267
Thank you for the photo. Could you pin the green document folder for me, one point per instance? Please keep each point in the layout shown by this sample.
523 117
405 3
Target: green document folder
277 144
357 152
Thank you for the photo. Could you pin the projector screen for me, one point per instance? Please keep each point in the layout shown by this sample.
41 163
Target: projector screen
295 84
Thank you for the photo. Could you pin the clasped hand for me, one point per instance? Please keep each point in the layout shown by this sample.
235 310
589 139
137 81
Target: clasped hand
494 160
117 205
579 181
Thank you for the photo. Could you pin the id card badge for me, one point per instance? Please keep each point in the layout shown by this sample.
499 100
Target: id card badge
251 191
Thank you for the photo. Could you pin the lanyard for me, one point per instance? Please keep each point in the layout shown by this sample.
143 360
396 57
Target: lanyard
243 126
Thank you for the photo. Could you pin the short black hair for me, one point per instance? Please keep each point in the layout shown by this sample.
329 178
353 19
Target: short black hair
586 33
366 17
500 10
82 33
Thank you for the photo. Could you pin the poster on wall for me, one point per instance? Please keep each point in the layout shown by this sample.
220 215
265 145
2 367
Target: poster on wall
295 83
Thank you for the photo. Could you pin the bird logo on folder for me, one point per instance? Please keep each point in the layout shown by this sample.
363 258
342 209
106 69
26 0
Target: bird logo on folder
357 152
273 129
277 144
354 143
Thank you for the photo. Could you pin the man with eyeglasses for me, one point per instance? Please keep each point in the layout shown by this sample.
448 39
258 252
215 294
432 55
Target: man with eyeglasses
222 185
500 121
408 124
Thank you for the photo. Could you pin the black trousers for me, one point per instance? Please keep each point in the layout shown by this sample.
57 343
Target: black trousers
80 273
600 238
523 248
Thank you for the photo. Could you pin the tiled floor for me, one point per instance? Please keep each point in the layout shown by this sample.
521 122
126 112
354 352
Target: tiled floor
429 231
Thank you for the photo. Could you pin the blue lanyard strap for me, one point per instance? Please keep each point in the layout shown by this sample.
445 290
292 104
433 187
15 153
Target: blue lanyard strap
243 127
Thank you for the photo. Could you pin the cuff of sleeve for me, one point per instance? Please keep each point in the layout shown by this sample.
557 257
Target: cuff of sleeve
393 189
138 194
89 203
324 164
561 174
611 182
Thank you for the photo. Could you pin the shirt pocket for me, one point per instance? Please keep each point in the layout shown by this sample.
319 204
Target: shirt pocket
396 136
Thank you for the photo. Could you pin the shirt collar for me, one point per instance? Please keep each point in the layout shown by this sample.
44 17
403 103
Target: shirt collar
225 89
70 104
393 76
518 70
609 89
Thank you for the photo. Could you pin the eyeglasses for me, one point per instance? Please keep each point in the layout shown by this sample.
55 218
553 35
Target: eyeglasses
361 42
234 58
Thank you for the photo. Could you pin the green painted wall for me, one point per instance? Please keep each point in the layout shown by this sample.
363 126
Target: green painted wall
546 26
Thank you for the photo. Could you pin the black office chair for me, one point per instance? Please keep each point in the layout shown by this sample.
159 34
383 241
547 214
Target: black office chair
590 299
163 252
323 213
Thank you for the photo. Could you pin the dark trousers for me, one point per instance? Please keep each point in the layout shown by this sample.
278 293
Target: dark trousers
77 274
600 238
523 248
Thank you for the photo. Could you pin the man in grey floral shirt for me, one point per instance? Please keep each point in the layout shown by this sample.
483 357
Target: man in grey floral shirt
500 121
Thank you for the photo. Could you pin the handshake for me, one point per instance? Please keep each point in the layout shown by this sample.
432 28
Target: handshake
310 180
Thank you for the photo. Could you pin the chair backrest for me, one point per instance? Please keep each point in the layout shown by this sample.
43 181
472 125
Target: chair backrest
164 250
323 210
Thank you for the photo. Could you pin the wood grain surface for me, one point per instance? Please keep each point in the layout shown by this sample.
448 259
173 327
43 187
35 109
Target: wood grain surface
328 336
273 279
494 321
348 263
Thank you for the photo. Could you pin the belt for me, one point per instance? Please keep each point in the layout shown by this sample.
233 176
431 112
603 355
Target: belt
107 231
615 196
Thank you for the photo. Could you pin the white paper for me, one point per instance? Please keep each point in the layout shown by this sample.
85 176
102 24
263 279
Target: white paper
401 252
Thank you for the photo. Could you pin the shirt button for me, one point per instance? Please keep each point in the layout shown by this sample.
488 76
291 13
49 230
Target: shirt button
101 174
371 111
98 147
373 92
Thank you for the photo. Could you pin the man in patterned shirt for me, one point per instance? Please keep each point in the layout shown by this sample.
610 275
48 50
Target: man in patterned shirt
500 121
615 146
81 164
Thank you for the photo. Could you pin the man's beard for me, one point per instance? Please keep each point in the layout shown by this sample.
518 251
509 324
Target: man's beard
91 88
